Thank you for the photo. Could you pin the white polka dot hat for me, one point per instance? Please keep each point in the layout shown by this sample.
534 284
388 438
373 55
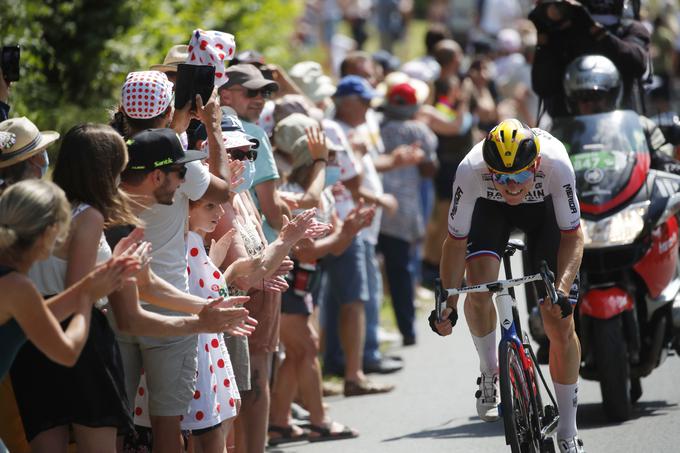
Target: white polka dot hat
146 94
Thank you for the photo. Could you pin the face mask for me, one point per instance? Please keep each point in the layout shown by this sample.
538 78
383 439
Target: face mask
43 168
248 177
332 175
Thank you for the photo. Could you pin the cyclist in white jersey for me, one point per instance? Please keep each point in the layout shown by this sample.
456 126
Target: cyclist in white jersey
516 178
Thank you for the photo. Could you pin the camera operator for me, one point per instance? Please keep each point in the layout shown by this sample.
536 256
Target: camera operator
568 29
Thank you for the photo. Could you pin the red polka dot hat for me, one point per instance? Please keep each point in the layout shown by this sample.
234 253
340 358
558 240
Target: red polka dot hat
146 94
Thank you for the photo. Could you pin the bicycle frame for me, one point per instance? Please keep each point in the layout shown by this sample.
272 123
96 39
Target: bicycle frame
506 307
505 302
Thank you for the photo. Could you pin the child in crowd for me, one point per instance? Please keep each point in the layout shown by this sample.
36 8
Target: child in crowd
216 399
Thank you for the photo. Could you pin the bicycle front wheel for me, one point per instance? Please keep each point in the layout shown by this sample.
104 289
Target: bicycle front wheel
516 404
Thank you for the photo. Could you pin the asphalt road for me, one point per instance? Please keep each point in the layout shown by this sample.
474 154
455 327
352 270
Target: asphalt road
433 407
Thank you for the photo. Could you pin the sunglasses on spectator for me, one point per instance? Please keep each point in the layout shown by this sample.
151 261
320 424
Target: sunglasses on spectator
180 169
250 155
517 178
266 93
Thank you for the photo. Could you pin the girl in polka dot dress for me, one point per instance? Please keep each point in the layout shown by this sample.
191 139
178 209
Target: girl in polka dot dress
216 399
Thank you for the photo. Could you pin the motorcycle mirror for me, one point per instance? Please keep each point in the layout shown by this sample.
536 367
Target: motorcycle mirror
671 209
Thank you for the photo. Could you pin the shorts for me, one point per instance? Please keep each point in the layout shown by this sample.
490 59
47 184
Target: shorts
169 365
346 274
265 307
493 222
293 304
240 360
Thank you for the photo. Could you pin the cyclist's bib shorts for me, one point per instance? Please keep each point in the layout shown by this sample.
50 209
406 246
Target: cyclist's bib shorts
493 222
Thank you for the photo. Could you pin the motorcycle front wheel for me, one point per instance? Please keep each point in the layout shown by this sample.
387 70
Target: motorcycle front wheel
611 358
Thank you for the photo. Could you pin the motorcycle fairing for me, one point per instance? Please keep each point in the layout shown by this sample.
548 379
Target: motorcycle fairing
605 303
658 267
610 156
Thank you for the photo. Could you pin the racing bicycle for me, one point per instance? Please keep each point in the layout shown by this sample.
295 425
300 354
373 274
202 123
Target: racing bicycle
529 425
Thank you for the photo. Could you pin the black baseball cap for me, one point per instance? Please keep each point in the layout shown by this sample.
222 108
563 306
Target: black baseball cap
249 77
158 148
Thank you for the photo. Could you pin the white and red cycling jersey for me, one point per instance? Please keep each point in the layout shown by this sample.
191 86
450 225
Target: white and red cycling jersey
554 178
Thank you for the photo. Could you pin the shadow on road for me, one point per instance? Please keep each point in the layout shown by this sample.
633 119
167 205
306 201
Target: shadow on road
592 415
476 428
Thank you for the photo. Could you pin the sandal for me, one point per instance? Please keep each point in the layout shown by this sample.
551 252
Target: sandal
286 435
324 433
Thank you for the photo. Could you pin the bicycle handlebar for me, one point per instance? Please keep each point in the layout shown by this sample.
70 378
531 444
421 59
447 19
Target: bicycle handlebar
545 275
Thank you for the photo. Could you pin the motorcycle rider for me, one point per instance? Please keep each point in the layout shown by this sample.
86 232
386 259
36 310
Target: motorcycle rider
568 29
592 84
516 178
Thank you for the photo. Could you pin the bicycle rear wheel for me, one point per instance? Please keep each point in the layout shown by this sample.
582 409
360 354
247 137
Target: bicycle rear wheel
516 404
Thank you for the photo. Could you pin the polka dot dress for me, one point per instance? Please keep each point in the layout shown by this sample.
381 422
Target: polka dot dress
216 393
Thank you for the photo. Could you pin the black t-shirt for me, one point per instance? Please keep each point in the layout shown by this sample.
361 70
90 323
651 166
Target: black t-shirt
115 234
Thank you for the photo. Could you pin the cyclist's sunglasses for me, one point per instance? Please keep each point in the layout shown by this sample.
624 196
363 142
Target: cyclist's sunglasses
250 155
180 169
517 178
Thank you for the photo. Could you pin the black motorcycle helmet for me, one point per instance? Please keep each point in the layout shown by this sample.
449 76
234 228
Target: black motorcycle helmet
593 79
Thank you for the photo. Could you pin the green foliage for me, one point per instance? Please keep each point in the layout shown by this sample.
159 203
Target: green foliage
76 53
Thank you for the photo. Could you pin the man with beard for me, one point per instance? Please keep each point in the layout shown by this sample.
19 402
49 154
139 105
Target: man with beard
164 177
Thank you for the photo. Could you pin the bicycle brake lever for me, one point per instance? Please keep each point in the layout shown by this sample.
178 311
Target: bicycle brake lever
440 296
548 280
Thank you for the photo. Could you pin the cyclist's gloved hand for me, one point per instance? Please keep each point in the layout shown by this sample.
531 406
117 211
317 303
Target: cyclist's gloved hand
564 303
451 318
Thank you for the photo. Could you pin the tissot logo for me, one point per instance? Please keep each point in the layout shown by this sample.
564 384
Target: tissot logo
456 200
570 198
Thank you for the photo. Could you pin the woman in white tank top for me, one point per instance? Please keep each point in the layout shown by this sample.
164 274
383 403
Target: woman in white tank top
90 397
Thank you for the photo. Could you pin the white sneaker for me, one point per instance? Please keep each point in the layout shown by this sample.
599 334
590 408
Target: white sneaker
571 445
487 397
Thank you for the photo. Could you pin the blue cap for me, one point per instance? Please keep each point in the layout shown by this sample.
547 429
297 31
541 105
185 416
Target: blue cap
353 84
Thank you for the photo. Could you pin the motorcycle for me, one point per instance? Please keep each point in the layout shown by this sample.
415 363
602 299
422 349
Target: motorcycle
628 318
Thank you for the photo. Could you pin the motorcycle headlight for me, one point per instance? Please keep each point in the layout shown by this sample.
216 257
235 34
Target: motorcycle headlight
619 229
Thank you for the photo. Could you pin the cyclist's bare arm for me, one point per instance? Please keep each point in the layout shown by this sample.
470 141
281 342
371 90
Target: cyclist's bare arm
569 257
452 266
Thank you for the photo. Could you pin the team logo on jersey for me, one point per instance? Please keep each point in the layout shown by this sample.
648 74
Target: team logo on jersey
456 200
569 191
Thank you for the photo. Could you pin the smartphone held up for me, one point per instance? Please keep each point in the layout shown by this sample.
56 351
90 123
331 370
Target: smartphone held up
9 63
192 80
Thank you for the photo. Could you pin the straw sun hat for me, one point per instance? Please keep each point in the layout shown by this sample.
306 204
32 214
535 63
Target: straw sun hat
176 55
21 139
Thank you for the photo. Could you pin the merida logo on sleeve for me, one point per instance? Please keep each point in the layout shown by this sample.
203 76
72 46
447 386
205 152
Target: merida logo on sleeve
456 200
570 198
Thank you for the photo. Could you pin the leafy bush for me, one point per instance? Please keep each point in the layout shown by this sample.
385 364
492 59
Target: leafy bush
76 53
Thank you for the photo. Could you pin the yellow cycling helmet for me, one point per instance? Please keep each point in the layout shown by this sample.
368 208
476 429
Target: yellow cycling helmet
510 147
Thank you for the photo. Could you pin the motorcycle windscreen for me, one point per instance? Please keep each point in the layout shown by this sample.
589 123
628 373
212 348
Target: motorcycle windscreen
610 156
